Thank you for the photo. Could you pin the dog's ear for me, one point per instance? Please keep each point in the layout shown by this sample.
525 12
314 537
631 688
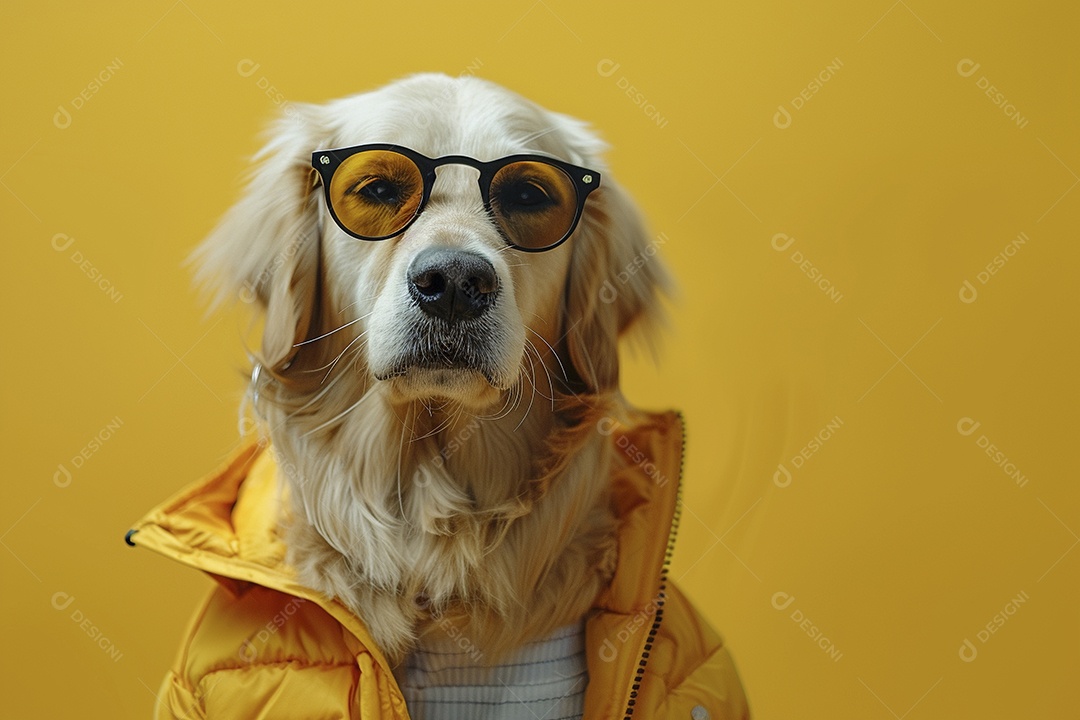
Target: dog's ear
614 287
265 250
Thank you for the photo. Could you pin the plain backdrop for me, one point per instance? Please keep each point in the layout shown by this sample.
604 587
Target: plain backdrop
871 209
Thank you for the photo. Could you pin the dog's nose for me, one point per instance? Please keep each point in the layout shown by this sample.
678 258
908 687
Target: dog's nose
452 285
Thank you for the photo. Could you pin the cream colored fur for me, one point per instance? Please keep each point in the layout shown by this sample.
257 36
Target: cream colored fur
487 507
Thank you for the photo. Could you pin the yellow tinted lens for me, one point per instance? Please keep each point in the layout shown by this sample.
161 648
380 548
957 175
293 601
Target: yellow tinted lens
534 203
376 193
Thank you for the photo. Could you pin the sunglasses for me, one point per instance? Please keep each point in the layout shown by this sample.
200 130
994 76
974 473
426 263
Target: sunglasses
375 192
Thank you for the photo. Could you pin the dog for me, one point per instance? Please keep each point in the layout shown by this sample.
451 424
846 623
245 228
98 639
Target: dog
362 387
443 272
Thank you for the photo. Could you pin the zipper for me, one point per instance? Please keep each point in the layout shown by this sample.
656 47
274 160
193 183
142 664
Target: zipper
661 596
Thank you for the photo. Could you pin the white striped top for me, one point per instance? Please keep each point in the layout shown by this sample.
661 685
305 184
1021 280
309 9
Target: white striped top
446 678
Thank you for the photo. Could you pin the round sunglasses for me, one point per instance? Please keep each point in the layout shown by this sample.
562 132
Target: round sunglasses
377 191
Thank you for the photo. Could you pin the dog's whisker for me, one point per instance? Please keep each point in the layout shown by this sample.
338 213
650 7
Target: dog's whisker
537 135
507 406
443 424
401 453
508 403
547 373
532 395
342 327
358 301
316 397
331 363
520 395
342 354
323 391
511 398
369 393
459 413
553 354
536 389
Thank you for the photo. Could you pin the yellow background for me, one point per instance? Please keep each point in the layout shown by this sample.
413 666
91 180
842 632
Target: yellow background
899 180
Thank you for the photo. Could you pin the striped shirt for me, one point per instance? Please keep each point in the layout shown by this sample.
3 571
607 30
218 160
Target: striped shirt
446 678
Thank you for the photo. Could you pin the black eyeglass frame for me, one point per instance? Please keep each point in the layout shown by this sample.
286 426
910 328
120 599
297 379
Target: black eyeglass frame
327 162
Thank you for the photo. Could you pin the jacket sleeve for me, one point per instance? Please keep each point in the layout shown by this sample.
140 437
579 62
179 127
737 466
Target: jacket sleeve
713 685
691 667
268 655
175 700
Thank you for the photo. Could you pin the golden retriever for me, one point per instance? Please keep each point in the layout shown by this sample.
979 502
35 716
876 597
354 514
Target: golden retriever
432 397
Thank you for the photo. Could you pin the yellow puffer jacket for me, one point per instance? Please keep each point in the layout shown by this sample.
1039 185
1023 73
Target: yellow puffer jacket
264 646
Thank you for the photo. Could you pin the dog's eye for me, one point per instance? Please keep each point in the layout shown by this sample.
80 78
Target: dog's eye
523 195
378 190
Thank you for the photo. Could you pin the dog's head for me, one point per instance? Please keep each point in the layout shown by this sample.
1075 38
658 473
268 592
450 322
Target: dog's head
448 308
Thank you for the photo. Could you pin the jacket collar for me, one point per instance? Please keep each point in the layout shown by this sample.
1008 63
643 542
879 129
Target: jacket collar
226 525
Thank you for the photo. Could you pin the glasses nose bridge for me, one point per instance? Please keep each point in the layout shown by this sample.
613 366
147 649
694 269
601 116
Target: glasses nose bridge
456 171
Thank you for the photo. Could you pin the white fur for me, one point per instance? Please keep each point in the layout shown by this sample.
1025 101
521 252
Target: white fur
438 494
